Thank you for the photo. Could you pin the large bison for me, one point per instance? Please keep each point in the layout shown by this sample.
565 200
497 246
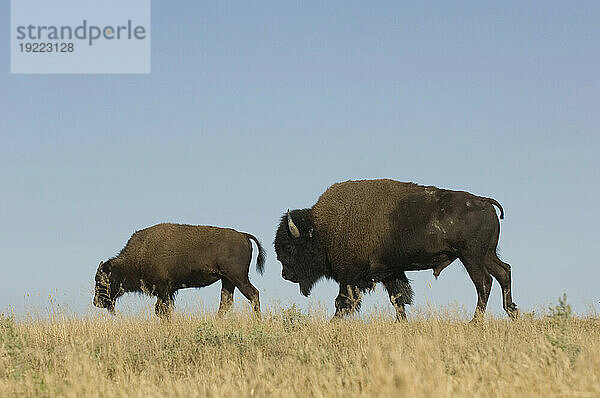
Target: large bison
167 257
362 232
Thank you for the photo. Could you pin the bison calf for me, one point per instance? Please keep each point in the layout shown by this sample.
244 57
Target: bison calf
167 257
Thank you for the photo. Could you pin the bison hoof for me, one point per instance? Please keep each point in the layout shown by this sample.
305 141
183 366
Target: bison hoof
514 313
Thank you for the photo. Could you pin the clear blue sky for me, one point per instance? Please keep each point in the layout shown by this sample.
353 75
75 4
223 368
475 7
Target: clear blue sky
254 107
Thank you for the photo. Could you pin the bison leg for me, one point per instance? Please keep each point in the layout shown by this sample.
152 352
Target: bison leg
227 289
347 301
501 271
165 300
164 307
250 292
400 293
483 284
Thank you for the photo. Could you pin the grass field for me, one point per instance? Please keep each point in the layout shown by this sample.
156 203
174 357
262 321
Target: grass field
292 354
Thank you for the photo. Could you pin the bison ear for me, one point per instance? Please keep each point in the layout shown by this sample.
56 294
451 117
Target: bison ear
291 226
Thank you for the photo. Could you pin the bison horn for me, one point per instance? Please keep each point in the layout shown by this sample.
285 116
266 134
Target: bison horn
292 227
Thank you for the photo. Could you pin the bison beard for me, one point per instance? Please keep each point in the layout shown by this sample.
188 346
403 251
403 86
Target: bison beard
167 257
363 232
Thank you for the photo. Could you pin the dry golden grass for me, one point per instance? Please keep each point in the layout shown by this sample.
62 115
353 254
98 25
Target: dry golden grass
290 354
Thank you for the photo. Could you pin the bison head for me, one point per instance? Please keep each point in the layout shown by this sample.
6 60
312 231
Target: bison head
107 288
299 250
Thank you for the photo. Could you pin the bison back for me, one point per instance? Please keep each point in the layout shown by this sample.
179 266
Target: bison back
170 251
352 217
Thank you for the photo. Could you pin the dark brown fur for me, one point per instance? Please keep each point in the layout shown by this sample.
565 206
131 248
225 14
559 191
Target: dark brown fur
162 259
362 232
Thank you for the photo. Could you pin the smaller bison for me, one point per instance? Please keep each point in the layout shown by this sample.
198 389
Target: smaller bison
162 259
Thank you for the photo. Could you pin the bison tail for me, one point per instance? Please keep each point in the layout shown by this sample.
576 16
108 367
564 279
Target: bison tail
495 203
260 260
